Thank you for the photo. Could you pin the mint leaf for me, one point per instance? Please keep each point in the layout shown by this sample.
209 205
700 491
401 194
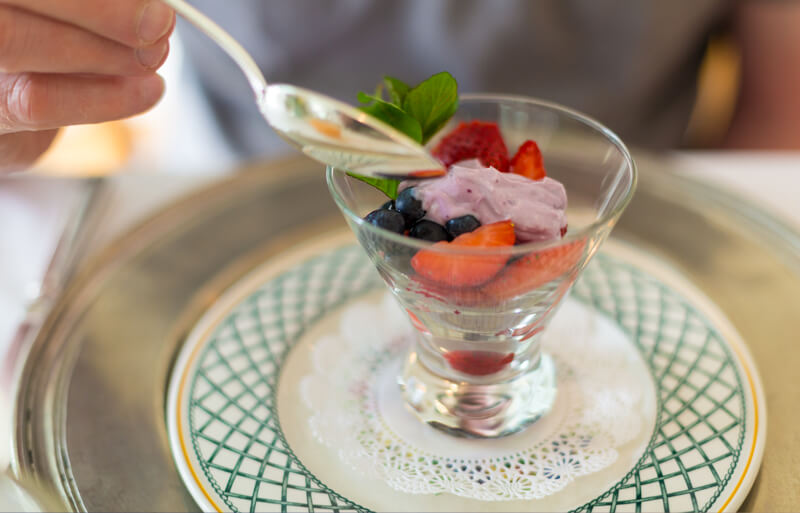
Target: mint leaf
391 115
386 185
368 98
397 89
432 103
418 112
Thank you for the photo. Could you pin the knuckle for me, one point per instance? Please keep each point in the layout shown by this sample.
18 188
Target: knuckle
23 100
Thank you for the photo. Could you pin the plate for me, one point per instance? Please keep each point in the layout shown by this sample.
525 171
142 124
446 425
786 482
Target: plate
90 415
242 430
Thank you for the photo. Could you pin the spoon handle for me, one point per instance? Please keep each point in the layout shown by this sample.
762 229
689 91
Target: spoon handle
243 59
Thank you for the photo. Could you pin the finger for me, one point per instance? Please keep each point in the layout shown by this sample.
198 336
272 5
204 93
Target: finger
31 101
133 23
32 43
18 151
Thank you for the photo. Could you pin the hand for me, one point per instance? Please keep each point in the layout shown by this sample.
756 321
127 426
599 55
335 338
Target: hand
67 62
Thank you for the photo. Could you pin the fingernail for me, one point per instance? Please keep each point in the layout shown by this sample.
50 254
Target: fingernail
154 21
152 56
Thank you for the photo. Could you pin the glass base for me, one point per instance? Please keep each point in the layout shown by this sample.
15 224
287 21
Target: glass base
479 410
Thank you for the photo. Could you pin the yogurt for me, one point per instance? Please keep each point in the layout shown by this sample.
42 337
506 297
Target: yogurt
536 207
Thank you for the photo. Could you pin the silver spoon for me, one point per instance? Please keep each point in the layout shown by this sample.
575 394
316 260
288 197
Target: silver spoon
323 128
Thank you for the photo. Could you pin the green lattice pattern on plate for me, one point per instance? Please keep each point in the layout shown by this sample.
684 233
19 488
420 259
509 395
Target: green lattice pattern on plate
233 416
233 390
700 427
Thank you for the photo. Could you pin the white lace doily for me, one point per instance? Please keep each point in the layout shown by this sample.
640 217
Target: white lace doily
358 410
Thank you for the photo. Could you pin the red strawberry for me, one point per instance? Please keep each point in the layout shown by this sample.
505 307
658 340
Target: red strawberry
444 264
528 161
534 270
474 140
478 363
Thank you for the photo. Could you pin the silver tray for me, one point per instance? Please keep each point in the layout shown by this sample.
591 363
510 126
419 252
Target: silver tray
90 412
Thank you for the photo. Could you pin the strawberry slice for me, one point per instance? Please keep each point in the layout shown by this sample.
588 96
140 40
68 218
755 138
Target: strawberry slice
534 270
416 322
478 363
474 140
445 265
528 161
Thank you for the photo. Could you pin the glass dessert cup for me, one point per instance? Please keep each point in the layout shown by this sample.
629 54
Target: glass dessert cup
476 367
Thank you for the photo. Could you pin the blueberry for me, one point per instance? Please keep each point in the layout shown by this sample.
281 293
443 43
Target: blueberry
463 224
389 205
391 220
428 230
409 206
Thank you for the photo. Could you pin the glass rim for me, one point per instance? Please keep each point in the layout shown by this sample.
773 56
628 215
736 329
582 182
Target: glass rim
577 235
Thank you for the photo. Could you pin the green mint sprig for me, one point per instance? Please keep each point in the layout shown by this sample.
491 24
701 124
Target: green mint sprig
432 103
419 112
392 115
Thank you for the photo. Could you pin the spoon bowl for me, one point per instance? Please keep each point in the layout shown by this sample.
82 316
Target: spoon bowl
327 130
